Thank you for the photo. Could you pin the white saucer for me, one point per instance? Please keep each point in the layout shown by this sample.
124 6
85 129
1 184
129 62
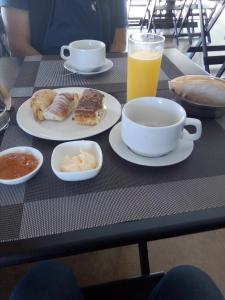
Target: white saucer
107 66
183 150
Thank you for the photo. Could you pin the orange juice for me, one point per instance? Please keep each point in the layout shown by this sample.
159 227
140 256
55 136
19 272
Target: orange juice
143 73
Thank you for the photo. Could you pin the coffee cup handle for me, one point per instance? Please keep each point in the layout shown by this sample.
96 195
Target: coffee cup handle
197 124
63 56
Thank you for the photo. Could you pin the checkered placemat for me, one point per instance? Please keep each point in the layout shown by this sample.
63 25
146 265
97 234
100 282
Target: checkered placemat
122 192
52 74
37 72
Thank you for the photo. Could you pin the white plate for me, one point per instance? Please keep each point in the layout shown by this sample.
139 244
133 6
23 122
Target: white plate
107 66
67 130
183 150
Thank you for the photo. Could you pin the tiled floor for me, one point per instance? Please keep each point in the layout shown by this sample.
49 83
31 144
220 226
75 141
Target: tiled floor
206 250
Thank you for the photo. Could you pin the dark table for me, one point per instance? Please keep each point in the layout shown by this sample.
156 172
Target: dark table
125 203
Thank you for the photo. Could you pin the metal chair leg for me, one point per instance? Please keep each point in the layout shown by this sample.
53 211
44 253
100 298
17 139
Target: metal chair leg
221 71
189 33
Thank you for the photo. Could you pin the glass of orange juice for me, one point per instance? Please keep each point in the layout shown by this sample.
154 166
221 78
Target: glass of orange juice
144 60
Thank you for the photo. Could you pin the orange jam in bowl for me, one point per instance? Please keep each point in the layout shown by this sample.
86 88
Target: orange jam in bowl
15 165
19 164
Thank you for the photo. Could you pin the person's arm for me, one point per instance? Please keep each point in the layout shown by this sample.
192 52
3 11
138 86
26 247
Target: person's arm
119 19
119 41
17 27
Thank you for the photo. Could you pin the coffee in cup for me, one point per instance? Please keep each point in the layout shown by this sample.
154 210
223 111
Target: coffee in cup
152 126
85 55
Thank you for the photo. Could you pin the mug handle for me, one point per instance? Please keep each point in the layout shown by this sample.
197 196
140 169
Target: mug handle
63 48
197 124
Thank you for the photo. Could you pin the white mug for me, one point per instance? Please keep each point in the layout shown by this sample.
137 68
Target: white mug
152 126
85 55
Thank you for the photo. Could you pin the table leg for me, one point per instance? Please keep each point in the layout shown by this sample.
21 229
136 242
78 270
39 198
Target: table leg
144 259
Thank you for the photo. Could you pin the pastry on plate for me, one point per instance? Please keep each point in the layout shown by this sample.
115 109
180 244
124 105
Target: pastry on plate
90 109
199 89
40 101
61 107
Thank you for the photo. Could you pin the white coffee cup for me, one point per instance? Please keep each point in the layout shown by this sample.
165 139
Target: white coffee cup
152 126
85 55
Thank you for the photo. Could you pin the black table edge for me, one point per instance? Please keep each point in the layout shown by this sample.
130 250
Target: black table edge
87 240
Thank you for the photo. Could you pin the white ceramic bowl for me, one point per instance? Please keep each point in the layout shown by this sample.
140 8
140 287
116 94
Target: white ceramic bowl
71 149
23 149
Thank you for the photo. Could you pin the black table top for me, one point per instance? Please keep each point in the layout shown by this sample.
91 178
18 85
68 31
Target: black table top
125 203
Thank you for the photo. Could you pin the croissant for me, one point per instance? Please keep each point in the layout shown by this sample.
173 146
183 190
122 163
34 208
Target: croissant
40 100
199 89
62 105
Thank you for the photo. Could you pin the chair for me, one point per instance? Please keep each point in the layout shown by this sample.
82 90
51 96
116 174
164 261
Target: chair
189 18
183 21
156 15
202 45
137 6
166 14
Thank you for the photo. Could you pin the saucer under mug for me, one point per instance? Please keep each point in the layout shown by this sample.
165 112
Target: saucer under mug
181 152
106 67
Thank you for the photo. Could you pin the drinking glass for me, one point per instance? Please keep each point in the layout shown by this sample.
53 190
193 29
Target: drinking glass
5 104
4 116
144 60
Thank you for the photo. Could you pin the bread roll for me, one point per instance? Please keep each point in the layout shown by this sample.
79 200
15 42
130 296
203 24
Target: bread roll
199 89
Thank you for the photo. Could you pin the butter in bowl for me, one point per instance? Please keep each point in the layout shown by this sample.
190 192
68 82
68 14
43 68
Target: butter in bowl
202 96
77 160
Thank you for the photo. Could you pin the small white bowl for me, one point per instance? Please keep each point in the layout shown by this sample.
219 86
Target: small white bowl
28 150
71 149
